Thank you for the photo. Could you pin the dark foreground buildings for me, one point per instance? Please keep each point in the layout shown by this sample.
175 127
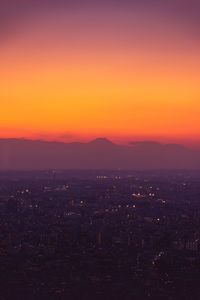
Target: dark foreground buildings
100 235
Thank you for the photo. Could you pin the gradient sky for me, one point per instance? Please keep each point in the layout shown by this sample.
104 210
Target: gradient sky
79 69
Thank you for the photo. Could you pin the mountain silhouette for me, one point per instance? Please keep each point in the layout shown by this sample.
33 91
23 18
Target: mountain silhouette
100 153
101 141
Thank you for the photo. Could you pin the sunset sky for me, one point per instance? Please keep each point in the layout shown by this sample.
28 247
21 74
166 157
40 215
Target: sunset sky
75 69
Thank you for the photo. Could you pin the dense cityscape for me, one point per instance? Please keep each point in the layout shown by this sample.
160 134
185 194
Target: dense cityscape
100 234
100 150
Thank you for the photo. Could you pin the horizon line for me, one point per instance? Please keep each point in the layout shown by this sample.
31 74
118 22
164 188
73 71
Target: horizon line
126 143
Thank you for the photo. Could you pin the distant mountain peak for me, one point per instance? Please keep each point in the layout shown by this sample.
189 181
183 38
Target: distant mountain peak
101 141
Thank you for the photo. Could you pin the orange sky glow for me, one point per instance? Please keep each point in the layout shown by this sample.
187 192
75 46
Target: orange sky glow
79 77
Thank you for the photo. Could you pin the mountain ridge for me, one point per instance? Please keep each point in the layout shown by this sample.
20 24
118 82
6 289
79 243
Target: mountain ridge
99 153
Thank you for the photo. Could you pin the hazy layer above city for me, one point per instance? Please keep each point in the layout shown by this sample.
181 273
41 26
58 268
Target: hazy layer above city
101 153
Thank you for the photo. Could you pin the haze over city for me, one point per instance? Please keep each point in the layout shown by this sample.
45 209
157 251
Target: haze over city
99 149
